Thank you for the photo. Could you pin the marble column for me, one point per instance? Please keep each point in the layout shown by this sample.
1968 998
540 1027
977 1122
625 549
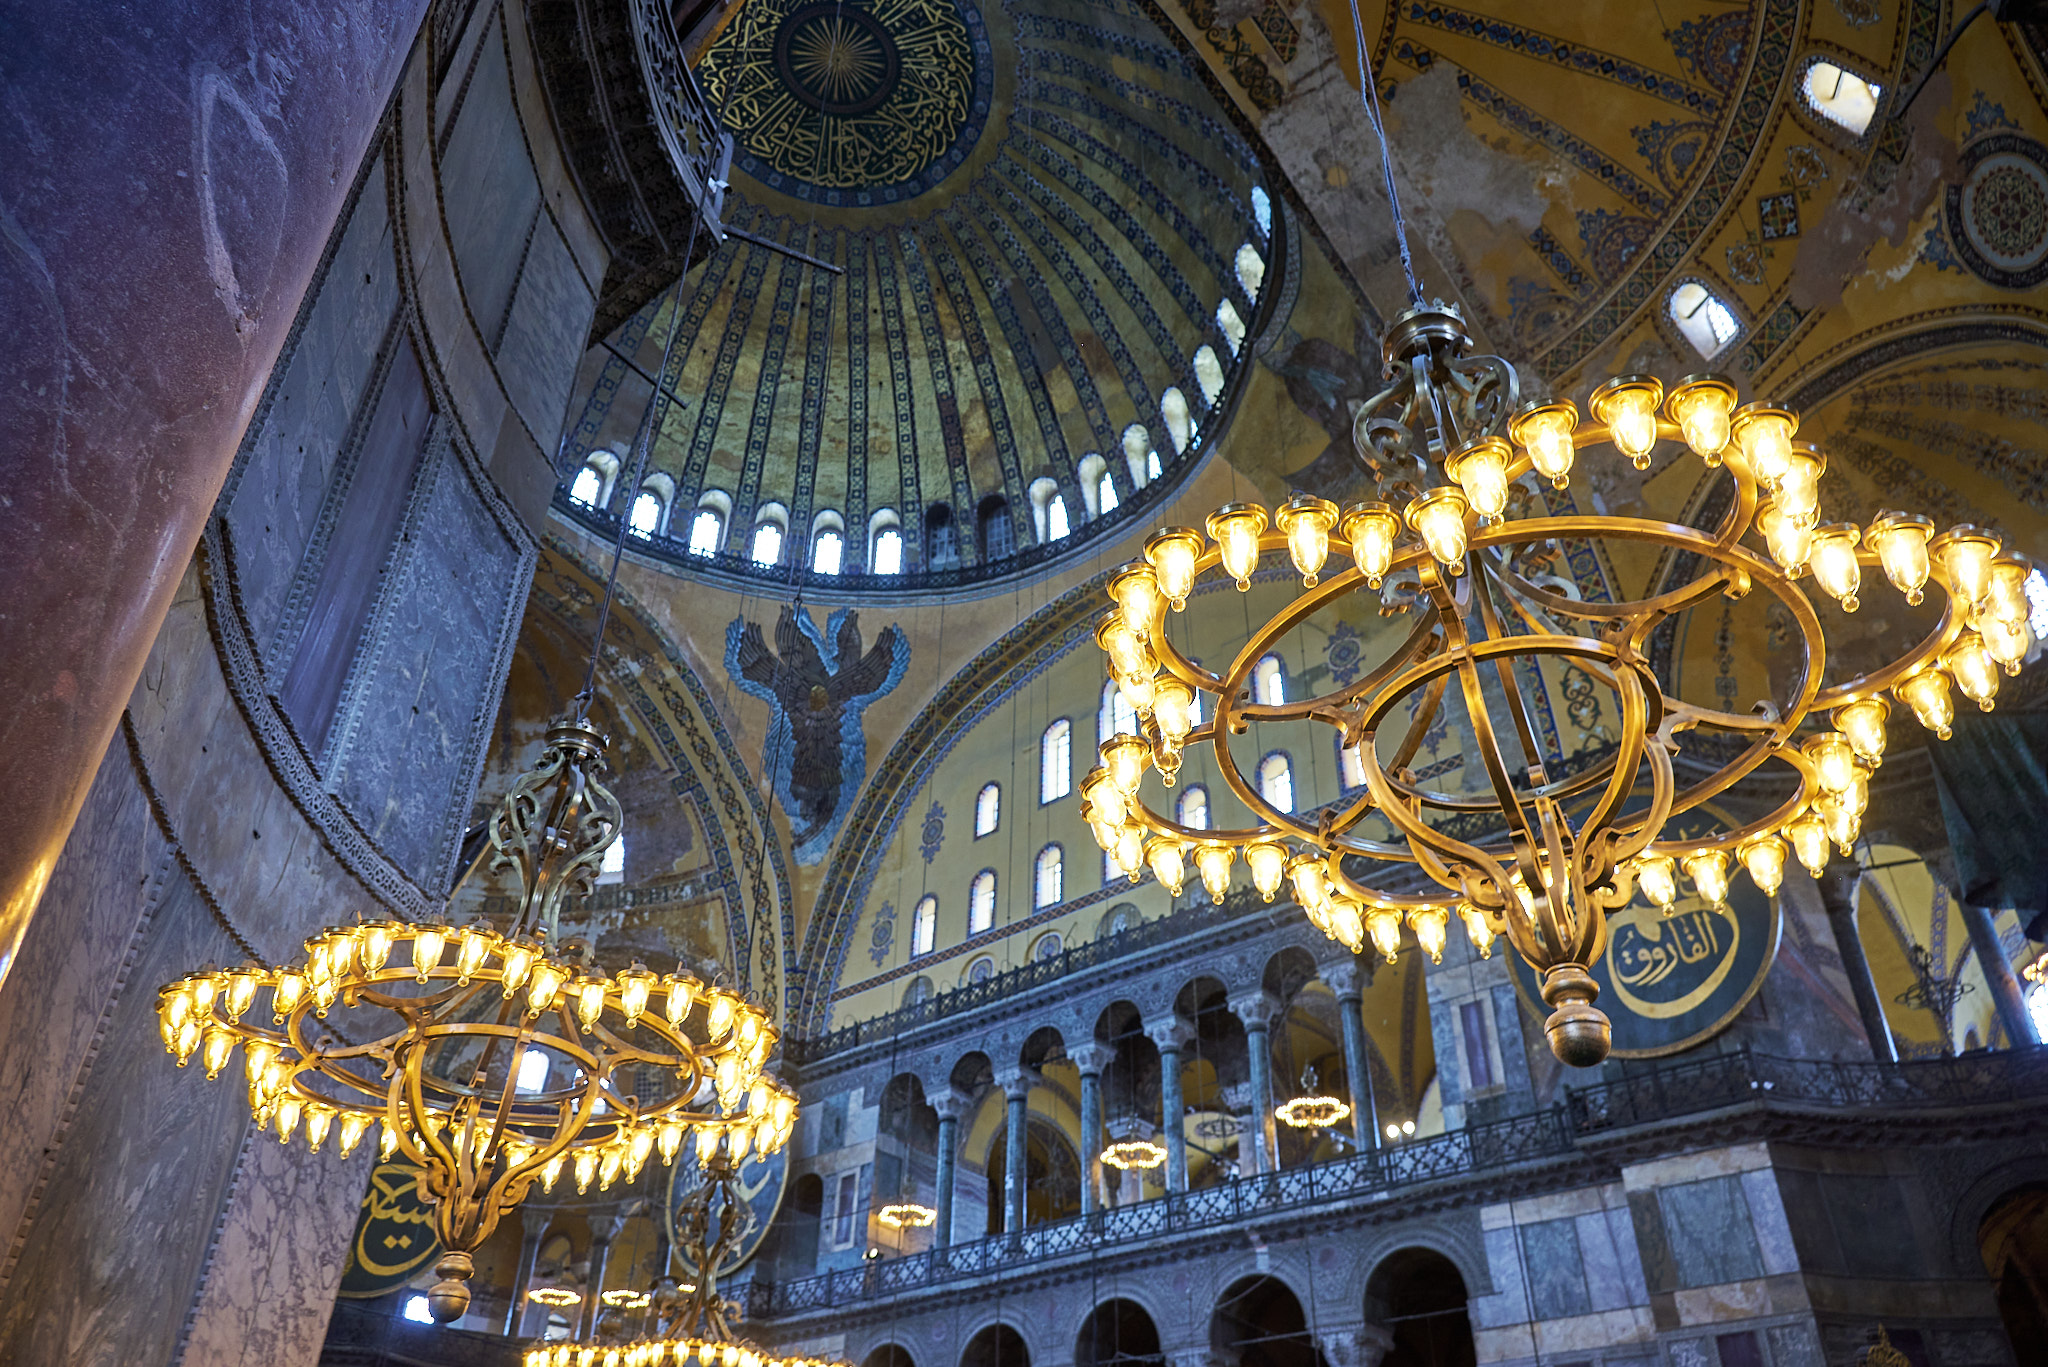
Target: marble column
1346 980
1016 1085
1998 975
1171 1036
1357 1345
169 189
604 1227
1091 1059
1838 888
1255 1148
534 1222
951 1106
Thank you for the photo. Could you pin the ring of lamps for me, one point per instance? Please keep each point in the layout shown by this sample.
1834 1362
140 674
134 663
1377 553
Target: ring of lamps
1140 1154
1312 1112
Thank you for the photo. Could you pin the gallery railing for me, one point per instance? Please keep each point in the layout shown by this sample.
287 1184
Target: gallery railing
697 142
1652 1094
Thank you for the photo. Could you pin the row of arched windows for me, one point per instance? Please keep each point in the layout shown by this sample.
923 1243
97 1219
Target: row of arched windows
705 533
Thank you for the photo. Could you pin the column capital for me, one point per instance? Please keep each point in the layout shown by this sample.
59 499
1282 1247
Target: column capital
1838 884
607 1225
1257 1009
1347 977
951 1104
1015 1082
1091 1058
534 1220
1357 1345
1170 1033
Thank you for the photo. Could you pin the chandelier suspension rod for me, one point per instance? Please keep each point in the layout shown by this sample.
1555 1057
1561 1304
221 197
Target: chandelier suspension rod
1369 93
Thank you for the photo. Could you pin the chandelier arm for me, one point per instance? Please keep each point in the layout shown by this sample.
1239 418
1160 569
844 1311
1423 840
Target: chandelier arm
1422 837
1419 722
1508 801
1671 534
1932 646
1639 719
1489 618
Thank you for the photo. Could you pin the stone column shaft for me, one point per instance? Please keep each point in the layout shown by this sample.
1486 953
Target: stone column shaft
593 1290
949 1142
1091 1142
1173 1115
522 1282
1365 1119
1999 977
1253 1147
1838 894
1017 1090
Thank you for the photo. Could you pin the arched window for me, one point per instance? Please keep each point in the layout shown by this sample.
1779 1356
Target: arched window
941 540
706 530
767 543
612 869
1139 456
1048 510
1706 322
1115 714
992 526
1194 808
1208 374
981 902
1055 761
1351 766
1841 96
885 554
1276 782
1045 878
1095 480
988 810
2035 586
1269 682
1173 411
1262 210
645 518
1105 494
1232 325
533 1071
924 926
1251 271
588 487
826 549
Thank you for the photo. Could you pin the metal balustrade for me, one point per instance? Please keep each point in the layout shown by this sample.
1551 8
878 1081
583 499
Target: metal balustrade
1639 1097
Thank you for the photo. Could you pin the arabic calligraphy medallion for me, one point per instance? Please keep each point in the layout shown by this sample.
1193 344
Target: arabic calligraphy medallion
394 1236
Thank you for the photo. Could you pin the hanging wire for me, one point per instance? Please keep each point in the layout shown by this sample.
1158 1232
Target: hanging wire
1369 93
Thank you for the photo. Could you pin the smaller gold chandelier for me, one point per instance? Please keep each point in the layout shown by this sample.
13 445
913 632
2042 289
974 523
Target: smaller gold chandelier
1312 1112
908 1215
620 1298
1140 1154
554 1297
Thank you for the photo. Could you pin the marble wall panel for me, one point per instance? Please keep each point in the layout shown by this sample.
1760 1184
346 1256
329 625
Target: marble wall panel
108 1260
1509 1304
545 333
1712 1239
488 190
277 491
1871 1225
1767 1213
1794 1345
1607 1285
1557 1280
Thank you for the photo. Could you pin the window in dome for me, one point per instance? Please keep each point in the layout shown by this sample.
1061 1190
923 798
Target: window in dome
941 539
612 869
706 527
992 525
1194 808
1056 761
1094 473
767 544
533 1071
1351 766
1139 456
981 902
1251 271
2036 587
646 516
885 535
1116 715
826 551
1232 325
1105 493
988 809
924 927
1049 509
1842 96
1151 465
1262 210
1046 878
1208 374
1276 782
1173 411
1269 681
1706 322
588 487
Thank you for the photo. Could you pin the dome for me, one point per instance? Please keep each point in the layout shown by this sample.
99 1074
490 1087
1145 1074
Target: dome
1050 253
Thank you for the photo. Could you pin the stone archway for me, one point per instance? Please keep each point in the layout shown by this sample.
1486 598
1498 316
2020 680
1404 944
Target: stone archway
1419 1297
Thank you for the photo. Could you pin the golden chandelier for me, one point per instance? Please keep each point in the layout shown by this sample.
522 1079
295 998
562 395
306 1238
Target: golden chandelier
1539 855
431 1031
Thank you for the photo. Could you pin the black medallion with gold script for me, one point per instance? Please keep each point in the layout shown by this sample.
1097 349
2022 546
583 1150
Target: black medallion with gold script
394 1236
762 1179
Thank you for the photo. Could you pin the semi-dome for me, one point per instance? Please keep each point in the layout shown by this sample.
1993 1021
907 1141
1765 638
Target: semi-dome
1051 253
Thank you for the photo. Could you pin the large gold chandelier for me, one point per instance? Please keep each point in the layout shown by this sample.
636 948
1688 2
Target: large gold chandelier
1447 441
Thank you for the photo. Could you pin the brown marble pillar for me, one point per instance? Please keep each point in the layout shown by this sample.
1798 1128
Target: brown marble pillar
1838 887
167 192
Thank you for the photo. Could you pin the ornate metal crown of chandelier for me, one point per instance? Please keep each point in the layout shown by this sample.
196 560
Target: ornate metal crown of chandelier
1447 441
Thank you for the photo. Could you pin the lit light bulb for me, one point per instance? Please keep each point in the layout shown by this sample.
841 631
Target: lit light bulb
1173 552
427 948
719 1015
373 944
1835 567
1167 861
473 947
1862 723
1708 870
1430 925
1658 880
1213 862
1842 823
679 991
1311 880
1762 432
387 1142
1628 405
1926 692
1481 470
1268 863
1833 758
319 1120
1965 554
257 1056
1129 654
1809 837
1307 521
1104 831
636 984
1125 757
551 1171
586 1170
548 977
1764 858
1702 406
589 994
1129 853
1478 929
1370 528
1384 925
2005 642
289 1109
289 992
220 1047
1104 796
353 1126
1439 518
1790 540
1901 543
1236 527
1138 690
2005 599
1173 711
1346 923
1973 669
519 958
1545 431
1798 490
641 1144
242 985
1135 590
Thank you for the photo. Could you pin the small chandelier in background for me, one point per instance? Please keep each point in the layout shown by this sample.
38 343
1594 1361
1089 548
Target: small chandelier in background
1139 1154
1312 1110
